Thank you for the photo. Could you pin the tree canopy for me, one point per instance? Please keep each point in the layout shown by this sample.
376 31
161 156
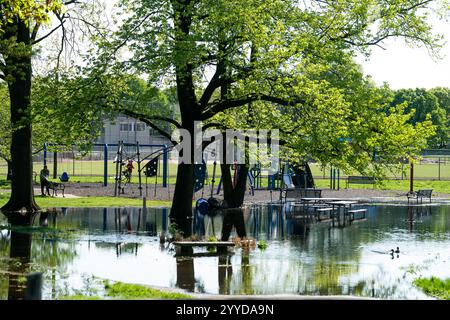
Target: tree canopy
433 104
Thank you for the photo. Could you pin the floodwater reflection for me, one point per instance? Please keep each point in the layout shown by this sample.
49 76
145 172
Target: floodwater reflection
302 256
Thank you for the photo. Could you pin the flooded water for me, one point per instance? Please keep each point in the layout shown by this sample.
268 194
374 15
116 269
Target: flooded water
74 246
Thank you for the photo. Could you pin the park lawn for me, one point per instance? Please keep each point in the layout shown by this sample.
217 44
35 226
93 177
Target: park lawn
400 185
434 287
91 202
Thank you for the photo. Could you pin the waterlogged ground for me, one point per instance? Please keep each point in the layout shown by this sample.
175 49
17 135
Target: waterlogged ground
77 249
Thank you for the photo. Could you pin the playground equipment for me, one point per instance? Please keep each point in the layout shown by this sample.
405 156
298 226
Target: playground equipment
97 161
123 177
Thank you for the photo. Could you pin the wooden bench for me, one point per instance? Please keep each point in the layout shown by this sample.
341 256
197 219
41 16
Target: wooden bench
360 180
420 194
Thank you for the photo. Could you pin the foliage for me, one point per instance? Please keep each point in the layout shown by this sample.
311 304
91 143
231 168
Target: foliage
5 123
262 245
134 291
431 104
27 10
278 64
434 287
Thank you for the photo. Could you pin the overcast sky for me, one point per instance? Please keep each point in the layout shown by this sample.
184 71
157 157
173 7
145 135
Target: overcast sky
404 67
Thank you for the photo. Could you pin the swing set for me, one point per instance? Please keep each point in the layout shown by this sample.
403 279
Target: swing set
124 169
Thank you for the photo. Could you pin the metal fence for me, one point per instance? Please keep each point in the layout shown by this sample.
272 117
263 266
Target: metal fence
91 166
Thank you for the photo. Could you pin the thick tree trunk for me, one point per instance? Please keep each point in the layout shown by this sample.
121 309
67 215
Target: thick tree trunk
9 168
181 211
234 197
22 196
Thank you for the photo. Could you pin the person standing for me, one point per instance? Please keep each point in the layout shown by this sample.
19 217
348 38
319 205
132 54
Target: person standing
43 177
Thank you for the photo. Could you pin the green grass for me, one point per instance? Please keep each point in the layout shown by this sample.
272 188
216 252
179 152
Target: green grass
400 185
434 287
80 297
133 291
102 202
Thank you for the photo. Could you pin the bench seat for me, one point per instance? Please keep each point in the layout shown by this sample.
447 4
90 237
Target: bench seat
420 194
360 180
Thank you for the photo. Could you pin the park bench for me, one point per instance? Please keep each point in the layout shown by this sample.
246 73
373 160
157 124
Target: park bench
360 180
420 194
55 187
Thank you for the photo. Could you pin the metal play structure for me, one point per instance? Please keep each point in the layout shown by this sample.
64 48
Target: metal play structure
150 169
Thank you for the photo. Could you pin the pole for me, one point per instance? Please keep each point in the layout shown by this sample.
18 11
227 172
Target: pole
165 166
338 178
439 168
105 165
117 170
411 177
139 168
213 178
331 178
334 179
55 164
45 154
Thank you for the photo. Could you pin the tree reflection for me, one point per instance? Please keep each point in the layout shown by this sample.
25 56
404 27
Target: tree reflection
34 248
20 255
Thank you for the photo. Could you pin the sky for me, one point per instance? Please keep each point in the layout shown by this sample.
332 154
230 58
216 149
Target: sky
404 67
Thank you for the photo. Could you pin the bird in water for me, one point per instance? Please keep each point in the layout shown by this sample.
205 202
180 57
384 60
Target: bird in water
395 251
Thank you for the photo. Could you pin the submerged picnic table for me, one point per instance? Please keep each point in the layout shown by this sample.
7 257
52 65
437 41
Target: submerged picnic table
179 245
204 243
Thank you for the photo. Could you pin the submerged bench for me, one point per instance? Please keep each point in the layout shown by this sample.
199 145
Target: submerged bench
203 243
179 245
325 210
420 194
357 211
360 180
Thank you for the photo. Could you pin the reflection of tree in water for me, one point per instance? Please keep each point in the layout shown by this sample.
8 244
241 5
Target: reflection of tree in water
32 248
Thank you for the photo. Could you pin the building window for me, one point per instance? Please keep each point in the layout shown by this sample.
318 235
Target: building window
126 127
140 126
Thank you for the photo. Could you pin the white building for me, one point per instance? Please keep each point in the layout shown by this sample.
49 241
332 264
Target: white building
130 130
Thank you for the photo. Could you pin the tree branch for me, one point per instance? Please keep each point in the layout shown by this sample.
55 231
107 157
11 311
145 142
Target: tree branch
48 34
228 104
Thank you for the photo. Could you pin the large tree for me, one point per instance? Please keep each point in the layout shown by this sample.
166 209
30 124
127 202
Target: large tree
20 22
226 54
24 25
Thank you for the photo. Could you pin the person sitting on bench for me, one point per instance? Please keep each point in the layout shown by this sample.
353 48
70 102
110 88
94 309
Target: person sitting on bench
43 176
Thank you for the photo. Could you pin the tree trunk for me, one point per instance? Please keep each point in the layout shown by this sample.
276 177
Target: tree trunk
9 168
181 211
20 250
22 195
234 196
